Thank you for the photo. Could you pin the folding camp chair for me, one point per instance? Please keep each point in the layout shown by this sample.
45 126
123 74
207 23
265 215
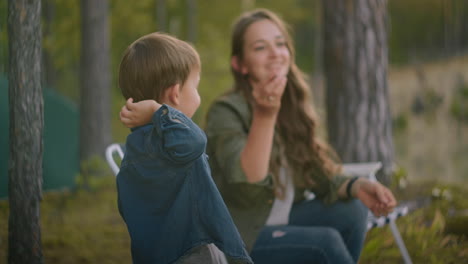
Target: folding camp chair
369 170
111 151
115 151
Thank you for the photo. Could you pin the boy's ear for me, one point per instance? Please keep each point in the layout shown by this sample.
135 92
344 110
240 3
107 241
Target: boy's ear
236 65
172 95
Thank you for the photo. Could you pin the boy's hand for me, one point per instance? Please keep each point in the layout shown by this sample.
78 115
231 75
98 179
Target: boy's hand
137 114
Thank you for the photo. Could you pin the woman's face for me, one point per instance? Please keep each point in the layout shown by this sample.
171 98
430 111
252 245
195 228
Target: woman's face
265 52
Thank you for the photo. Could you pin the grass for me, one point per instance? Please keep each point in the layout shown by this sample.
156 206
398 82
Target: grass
79 226
84 226
429 232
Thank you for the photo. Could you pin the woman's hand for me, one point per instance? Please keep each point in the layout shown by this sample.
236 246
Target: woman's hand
267 95
255 156
378 198
137 114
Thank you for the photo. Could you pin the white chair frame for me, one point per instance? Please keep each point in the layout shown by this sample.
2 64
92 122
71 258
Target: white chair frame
369 170
112 149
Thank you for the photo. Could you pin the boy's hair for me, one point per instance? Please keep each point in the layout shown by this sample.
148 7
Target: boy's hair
154 63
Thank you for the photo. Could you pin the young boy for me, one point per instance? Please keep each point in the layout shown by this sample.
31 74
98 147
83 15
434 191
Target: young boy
166 195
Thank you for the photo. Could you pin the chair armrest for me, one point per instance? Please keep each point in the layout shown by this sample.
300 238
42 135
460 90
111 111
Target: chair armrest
365 169
373 221
111 150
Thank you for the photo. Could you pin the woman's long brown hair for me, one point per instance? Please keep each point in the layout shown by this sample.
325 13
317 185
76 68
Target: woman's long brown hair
312 162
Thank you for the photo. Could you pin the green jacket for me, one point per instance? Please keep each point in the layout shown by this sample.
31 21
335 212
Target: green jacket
227 126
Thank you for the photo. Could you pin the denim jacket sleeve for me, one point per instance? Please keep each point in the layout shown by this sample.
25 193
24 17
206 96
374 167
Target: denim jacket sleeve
178 138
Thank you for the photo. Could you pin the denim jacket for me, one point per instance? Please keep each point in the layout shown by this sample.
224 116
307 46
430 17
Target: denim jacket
166 195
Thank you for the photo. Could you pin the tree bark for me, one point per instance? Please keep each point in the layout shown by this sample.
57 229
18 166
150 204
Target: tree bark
95 95
161 15
191 21
355 64
26 109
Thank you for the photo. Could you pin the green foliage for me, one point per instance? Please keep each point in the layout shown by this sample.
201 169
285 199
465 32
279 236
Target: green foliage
3 37
128 23
91 173
400 122
427 103
78 227
414 24
63 43
459 104
399 178
424 231
426 29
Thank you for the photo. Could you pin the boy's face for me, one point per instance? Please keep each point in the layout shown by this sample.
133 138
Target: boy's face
189 98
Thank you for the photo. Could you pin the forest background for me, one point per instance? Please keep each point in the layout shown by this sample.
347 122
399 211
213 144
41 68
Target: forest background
428 66
428 40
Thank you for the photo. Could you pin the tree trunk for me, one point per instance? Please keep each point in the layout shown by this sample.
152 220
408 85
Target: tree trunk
191 21
3 49
95 95
355 63
25 131
161 15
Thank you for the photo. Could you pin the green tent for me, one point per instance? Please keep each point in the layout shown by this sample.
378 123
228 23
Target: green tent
61 150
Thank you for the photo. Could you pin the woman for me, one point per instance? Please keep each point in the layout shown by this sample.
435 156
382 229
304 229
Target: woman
264 155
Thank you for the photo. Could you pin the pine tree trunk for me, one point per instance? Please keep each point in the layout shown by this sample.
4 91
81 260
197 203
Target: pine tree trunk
25 131
355 64
191 21
161 15
95 95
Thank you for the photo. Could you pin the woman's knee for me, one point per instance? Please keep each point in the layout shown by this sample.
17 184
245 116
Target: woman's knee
357 212
321 244
330 237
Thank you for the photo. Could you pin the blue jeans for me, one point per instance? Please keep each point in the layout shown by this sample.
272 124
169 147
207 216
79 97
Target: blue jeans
317 233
